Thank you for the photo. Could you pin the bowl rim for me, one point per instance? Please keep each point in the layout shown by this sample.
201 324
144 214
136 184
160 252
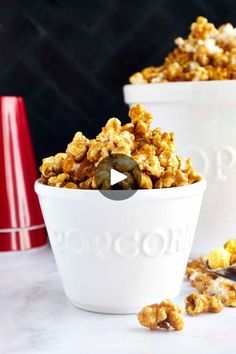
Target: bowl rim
141 194
199 91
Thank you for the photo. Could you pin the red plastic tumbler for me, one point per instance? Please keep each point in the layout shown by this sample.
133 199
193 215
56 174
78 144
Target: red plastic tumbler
21 222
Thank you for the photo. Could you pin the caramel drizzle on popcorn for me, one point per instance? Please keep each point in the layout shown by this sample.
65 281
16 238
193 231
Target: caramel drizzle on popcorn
208 53
153 150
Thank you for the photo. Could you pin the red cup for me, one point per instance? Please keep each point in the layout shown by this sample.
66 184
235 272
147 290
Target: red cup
21 222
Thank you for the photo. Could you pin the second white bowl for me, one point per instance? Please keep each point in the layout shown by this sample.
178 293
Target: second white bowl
203 117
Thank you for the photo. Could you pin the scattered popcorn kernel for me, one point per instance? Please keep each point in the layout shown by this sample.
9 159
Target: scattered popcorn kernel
165 315
201 281
219 258
210 283
195 265
196 303
224 289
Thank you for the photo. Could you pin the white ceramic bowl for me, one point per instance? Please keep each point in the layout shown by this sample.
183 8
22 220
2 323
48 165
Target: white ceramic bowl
203 117
117 256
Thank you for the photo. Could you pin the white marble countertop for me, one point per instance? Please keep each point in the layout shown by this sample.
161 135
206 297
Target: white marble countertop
37 318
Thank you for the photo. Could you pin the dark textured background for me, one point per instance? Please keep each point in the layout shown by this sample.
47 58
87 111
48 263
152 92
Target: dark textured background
70 59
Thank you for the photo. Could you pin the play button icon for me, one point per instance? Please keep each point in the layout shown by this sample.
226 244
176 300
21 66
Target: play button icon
117 177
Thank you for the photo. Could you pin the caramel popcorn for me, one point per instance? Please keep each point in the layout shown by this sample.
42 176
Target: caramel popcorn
230 246
219 258
210 283
195 265
207 53
196 303
165 315
153 151
202 281
224 289
52 165
77 149
223 257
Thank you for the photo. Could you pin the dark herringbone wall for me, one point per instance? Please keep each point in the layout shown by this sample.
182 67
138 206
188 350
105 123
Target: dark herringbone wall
70 58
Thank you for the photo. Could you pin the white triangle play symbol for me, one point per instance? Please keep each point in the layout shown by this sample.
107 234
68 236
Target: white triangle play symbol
116 176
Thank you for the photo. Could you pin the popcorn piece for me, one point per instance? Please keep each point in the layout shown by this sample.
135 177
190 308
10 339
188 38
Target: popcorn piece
227 36
198 303
230 246
68 165
202 29
168 159
70 185
223 257
95 151
78 147
166 180
150 72
197 264
59 180
207 53
202 281
137 78
225 290
219 258
140 118
153 150
165 315
163 141
87 184
148 162
52 165
111 140
145 182
196 267
83 170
